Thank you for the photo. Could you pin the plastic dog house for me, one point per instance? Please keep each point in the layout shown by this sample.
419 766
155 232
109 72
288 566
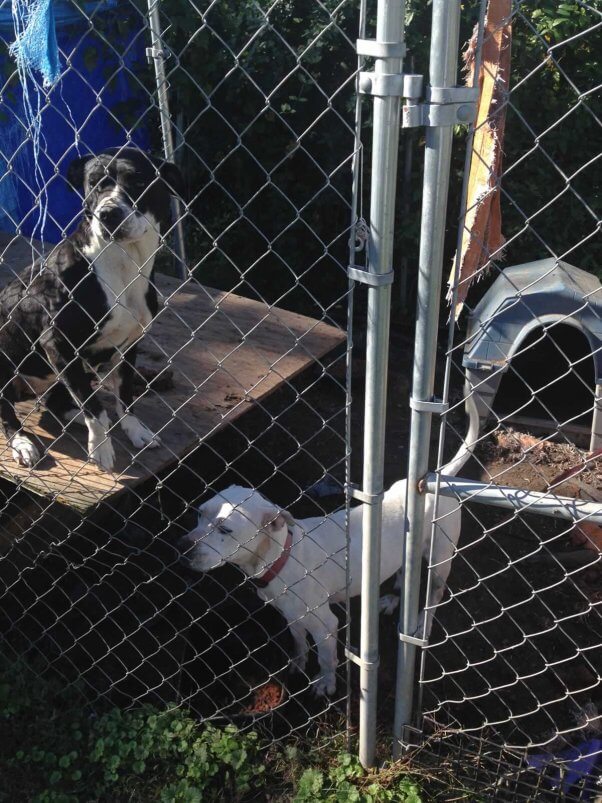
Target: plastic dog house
541 294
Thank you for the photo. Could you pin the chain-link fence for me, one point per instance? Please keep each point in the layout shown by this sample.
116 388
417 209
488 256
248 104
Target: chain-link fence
176 379
510 680
121 419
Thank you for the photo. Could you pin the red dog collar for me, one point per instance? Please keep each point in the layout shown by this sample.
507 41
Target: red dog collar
278 564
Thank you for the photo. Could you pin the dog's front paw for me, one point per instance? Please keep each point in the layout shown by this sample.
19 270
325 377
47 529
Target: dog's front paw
325 685
388 604
298 663
100 446
25 452
139 434
102 453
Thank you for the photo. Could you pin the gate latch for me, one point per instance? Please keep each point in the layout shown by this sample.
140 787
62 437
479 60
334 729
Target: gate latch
442 105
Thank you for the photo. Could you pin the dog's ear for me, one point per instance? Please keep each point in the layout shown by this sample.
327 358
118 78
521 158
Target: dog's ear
173 178
274 519
75 172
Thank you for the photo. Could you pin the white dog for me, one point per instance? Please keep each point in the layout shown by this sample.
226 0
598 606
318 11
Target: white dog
299 566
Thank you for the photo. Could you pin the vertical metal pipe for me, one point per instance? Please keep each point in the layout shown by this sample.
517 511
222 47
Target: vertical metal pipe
406 202
157 54
385 142
596 436
452 325
443 73
356 206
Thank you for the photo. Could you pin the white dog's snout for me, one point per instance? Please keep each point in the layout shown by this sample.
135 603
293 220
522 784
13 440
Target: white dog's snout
198 554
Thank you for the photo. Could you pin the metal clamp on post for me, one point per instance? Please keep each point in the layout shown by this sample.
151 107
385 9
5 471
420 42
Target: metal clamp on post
444 106
353 656
372 279
380 50
362 496
417 642
156 53
380 84
397 85
433 406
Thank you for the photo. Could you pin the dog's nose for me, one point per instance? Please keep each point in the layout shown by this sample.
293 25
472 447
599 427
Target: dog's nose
186 543
111 217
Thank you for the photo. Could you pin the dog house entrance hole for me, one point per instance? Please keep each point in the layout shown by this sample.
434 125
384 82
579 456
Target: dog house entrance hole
550 380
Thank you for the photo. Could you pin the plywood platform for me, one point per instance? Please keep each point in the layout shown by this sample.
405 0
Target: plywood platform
215 354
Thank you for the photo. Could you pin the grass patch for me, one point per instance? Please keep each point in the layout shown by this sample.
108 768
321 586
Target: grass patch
55 749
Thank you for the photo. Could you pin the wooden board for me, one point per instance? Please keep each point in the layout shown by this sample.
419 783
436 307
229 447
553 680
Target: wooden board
224 351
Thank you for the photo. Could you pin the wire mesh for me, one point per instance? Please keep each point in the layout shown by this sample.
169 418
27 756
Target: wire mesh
244 384
510 680
245 373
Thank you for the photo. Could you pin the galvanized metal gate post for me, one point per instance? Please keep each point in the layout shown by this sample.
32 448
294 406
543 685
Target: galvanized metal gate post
443 75
384 84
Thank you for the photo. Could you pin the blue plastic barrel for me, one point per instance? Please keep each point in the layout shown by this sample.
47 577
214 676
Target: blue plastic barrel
98 102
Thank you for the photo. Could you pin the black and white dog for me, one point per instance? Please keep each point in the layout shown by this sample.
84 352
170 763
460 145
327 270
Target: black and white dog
85 307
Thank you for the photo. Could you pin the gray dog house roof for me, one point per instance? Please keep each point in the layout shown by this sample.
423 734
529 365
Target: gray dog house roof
522 298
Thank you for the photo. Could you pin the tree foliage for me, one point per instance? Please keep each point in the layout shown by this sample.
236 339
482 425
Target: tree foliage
267 96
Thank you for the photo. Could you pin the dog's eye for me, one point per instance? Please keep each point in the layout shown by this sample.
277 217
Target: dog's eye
223 529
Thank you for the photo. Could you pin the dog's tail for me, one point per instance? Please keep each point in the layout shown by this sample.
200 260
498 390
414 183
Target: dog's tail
461 457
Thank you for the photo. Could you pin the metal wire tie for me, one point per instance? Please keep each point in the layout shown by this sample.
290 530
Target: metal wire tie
417 642
364 496
352 654
433 405
372 279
